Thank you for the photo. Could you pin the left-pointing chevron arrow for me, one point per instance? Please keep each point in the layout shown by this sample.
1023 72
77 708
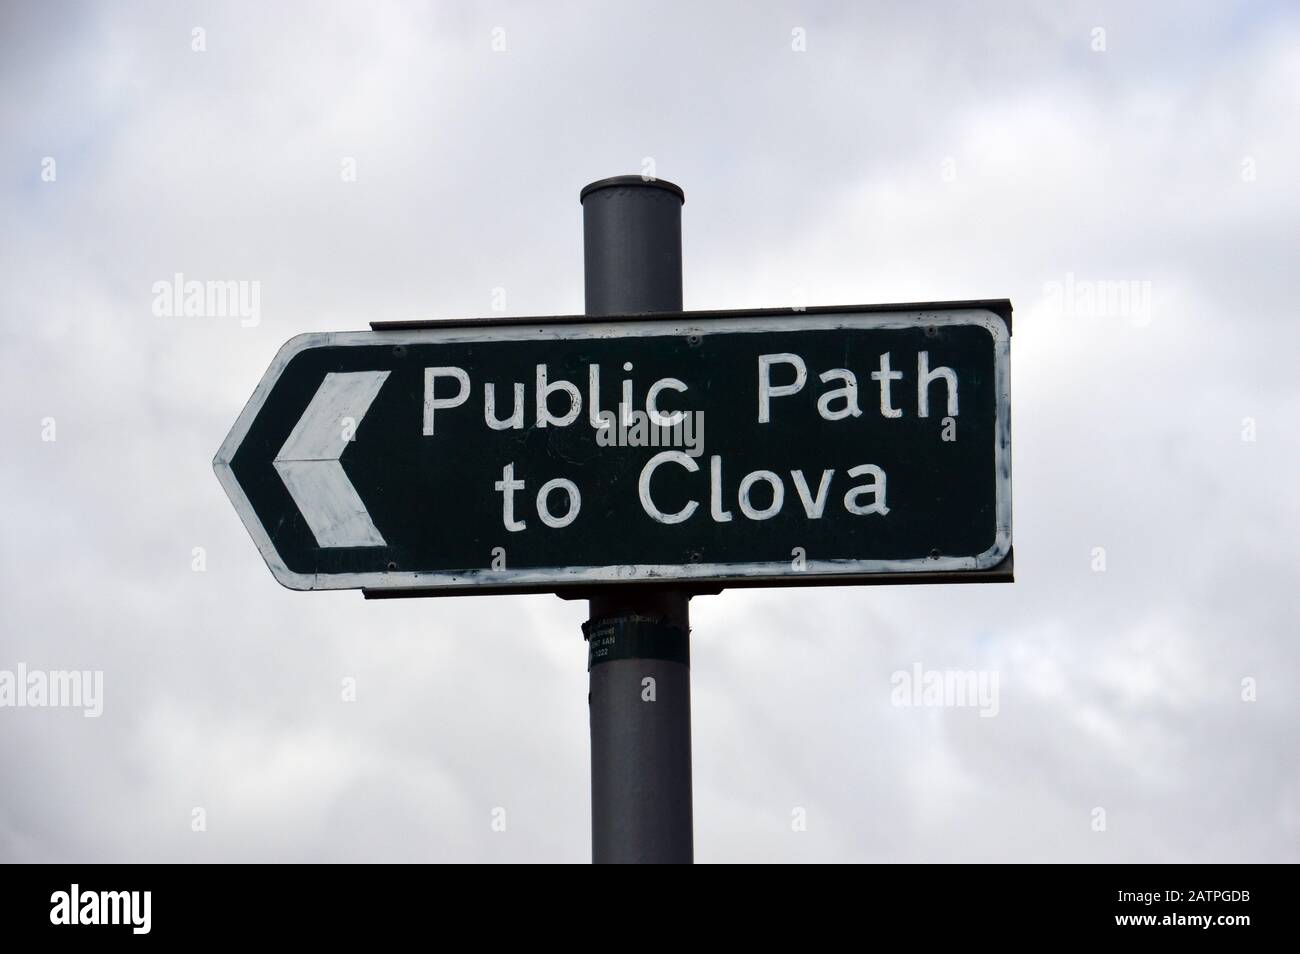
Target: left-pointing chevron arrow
309 465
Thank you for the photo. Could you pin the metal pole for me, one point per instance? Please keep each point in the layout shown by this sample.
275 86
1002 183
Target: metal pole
638 637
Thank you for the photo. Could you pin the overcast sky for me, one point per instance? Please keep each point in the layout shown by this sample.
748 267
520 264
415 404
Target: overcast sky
907 152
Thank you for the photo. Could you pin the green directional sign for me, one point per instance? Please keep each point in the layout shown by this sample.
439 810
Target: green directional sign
827 445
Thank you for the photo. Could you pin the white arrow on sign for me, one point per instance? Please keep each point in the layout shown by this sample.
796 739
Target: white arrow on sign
308 463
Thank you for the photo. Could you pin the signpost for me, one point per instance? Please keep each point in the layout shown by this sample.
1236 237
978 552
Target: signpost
634 458
734 449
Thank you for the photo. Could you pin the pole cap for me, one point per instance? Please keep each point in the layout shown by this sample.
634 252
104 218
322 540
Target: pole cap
622 182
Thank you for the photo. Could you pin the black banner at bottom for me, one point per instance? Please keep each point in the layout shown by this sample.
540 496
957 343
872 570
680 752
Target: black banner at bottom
133 903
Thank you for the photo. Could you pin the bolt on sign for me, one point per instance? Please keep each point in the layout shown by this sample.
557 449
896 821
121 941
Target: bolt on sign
829 445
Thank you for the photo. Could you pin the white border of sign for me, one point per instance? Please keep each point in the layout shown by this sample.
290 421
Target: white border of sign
524 330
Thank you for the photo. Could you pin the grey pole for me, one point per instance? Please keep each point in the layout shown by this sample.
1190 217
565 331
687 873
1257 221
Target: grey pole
638 637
